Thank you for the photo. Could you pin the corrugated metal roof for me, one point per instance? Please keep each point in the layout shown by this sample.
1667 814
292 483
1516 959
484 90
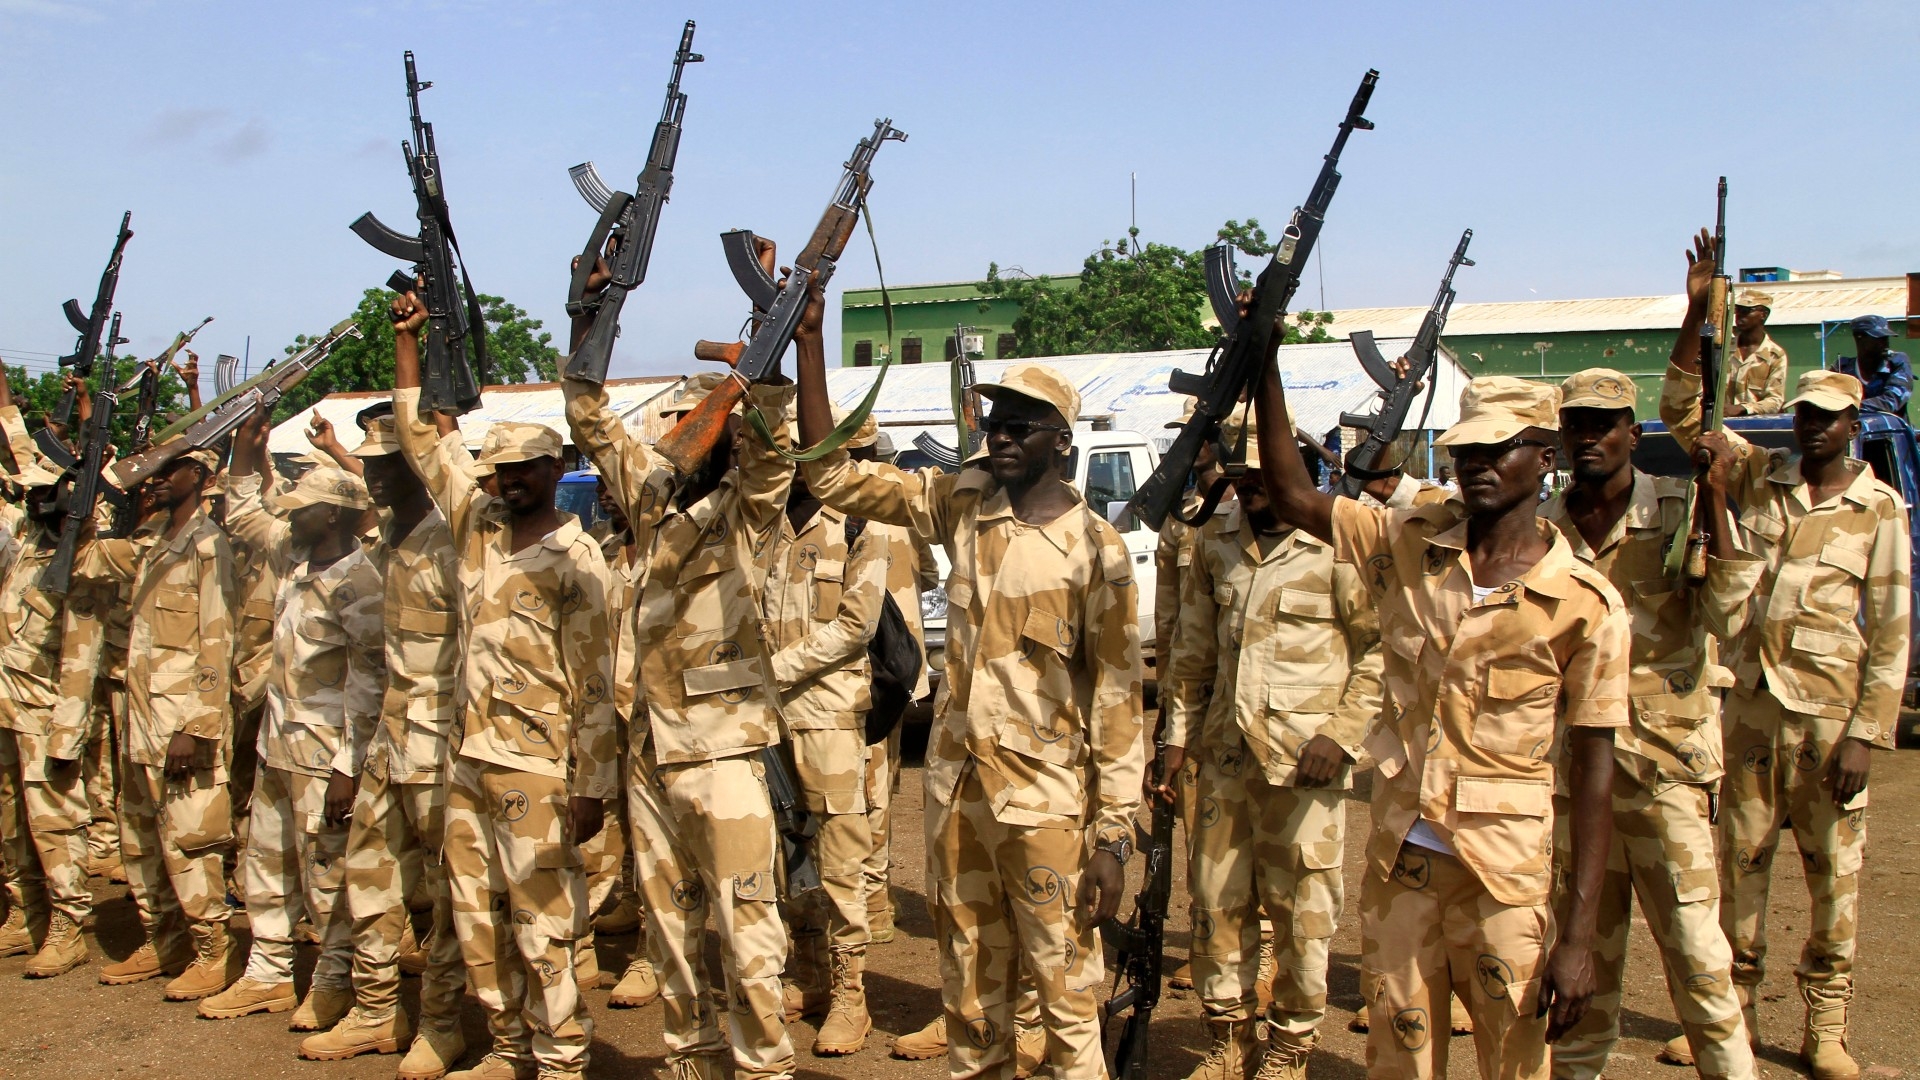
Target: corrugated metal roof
1795 303
537 403
1323 380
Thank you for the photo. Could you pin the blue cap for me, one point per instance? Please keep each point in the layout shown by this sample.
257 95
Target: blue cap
1872 326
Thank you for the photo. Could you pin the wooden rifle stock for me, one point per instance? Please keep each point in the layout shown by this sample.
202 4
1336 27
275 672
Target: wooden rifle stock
691 442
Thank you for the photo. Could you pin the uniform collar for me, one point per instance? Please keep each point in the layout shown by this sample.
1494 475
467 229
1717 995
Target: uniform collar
1551 576
1786 473
1642 512
1065 532
1231 520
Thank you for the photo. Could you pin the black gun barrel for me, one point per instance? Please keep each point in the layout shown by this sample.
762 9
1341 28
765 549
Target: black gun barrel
91 329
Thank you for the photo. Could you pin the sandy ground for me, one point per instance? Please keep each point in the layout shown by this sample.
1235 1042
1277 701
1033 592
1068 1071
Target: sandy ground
74 1027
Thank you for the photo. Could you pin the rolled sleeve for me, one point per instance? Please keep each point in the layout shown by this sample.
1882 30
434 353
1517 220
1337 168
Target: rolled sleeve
1117 737
589 660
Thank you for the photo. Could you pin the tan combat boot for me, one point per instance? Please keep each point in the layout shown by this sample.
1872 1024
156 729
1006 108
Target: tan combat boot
586 963
413 961
109 867
212 968
845 1029
358 1033
244 998
1823 1046
1029 1051
804 987
880 915
1286 1057
433 1052
23 933
700 1067
496 1067
62 951
1230 1052
321 1009
638 988
1678 1051
927 1043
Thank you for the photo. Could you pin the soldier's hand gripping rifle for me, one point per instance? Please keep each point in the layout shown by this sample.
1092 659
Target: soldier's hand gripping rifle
776 307
92 328
147 382
1688 562
1237 362
1138 947
631 220
1397 388
84 495
455 323
210 423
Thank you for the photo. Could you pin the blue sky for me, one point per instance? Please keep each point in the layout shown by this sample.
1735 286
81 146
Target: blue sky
1580 142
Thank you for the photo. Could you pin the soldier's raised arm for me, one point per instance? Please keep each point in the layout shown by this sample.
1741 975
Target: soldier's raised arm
421 441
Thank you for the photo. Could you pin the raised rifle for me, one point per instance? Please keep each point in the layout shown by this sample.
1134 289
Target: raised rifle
631 219
966 410
1367 461
1236 363
795 824
1138 945
776 308
91 326
147 382
57 576
216 420
455 323
1688 561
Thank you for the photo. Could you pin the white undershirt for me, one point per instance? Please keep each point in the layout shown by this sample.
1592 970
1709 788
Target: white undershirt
1422 834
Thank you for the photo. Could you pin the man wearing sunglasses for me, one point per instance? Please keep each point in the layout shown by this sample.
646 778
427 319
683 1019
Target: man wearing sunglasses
1035 765
1667 762
1504 655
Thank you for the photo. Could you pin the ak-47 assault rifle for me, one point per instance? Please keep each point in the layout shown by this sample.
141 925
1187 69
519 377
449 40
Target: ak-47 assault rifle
776 309
794 823
57 576
91 326
1237 362
631 220
1688 562
1397 389
966 411
454 319
146 382
216 420
1138 947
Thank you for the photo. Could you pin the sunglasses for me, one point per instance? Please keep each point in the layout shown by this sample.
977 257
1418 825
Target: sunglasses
1016 429
1498 450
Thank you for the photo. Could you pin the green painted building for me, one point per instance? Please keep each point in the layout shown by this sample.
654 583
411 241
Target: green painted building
1541 339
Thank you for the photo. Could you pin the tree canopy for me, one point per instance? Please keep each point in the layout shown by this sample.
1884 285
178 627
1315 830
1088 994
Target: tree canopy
1132 298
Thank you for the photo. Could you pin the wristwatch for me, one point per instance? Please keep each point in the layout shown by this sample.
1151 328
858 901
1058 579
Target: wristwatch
1120 847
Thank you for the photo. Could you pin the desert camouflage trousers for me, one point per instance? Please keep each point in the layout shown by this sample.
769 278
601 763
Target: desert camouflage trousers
1431 929
101 764
1258 847
703 846
1777 762
45 837
883 771
519 904
831 768
1662 851
294 868
173 837
394 854
1006 902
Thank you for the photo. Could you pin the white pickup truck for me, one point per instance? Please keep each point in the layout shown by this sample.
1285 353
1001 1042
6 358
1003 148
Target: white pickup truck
1106 466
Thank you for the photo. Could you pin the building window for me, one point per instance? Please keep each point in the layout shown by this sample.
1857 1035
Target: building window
953 348
863 354
910 350
1005 346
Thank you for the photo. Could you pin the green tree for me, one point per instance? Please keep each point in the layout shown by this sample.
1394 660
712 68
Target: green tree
40 395
517 348
1132 298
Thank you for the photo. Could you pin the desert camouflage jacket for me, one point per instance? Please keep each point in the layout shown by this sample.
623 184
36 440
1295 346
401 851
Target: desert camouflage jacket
422 643
1760 380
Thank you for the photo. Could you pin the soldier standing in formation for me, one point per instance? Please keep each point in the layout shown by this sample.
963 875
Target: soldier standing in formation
1759 378
1818 674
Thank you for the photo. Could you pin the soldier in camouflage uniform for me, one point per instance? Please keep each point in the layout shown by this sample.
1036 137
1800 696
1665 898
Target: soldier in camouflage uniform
1035 766
1273 683
703 832
175 819
825 584
323 699
1621 521
538 754
46 842
1759 378
1503 656
1818 674
396 839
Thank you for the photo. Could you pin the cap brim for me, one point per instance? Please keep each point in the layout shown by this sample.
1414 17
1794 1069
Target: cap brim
294 500
1596 402
1822 399
509 457
996 391
1480 433
364 451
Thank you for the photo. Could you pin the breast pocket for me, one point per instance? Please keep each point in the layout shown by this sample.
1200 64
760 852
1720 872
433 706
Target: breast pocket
530 715
1516 712
175 619
829 584
1763 529
1307 619
323 648
532 635
1836 578
1043 720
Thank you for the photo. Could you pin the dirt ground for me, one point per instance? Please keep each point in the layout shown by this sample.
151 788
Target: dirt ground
74 1027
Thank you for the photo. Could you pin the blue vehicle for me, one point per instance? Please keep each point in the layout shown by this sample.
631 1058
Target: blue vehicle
579 494
1886 443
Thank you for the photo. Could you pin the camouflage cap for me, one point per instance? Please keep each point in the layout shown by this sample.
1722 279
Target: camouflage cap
1753 298
1038 382
693 392
1186 414
383 438
488 442
1598 388
515 440
204 456
1829 390
327 484
1495 408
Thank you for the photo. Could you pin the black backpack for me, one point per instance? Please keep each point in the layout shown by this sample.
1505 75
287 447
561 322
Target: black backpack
892 654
